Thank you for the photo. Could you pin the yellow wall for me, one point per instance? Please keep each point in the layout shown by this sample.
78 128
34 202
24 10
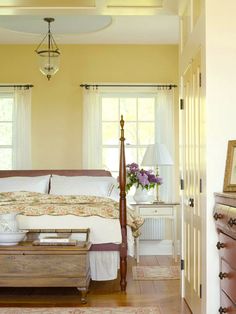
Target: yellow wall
57 105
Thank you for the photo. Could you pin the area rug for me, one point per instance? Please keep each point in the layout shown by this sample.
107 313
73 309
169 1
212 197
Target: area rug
83 310
155 272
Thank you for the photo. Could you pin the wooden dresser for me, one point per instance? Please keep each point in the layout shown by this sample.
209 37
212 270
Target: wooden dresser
225 220
26 265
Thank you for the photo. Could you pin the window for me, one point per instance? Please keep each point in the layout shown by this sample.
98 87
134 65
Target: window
149 118
6 130
139 115
15 128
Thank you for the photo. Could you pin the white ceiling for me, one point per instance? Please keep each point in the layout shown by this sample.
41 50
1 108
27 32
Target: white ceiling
107 24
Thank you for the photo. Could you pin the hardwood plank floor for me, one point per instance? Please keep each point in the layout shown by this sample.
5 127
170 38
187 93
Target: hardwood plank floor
165 293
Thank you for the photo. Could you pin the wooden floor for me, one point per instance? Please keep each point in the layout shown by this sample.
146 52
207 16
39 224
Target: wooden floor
165 293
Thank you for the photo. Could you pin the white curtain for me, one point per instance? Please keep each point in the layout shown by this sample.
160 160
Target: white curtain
165 134
92 133
22 129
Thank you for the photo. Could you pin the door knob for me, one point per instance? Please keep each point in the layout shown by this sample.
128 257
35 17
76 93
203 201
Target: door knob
191 202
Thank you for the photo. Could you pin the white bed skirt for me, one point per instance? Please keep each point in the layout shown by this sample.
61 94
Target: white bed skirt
103 265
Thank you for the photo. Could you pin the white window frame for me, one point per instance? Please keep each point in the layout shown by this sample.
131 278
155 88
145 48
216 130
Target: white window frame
130 94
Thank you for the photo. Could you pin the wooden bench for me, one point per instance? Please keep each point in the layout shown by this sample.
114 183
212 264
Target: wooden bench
27 265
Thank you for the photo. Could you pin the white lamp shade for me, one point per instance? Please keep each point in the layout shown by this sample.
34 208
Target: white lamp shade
157 155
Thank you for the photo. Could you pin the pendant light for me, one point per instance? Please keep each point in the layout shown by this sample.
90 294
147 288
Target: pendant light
48 53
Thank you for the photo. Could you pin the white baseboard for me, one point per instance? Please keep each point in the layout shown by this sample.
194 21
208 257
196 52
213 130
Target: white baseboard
162 247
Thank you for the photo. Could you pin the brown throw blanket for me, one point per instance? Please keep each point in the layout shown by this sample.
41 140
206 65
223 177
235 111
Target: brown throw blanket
37 204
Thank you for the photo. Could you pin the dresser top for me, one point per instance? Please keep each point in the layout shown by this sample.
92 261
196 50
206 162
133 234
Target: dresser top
227 195
226 199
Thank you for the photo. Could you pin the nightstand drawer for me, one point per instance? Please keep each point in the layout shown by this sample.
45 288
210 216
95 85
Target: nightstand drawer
155 211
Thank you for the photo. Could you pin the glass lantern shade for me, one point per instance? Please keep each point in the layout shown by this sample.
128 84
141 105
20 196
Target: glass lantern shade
49 62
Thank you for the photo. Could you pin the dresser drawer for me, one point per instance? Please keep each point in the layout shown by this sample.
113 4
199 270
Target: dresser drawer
228 249
228 281
155 211
226 304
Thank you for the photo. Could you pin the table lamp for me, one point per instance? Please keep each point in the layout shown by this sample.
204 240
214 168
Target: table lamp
157 155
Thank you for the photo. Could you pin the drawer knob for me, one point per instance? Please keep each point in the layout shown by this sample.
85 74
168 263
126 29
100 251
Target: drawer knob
217 216
231 222
222 310
223 275
220 245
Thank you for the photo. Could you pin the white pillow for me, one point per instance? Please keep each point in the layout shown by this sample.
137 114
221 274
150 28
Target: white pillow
38 184
82 185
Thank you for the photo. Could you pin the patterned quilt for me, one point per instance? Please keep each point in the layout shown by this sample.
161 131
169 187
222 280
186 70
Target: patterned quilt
37 204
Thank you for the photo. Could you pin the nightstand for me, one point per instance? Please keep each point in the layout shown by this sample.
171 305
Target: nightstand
156 211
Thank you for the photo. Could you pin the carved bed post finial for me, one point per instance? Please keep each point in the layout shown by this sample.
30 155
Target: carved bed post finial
123 217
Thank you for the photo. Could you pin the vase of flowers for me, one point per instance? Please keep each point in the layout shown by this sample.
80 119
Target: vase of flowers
143 180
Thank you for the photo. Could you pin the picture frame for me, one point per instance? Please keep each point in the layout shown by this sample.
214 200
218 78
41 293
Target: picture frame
230 168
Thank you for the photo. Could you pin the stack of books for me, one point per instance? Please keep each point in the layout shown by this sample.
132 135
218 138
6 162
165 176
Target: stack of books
55 240
78 237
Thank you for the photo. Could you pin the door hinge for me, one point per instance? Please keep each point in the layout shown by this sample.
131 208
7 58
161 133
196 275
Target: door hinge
200 291
200 186
181 104
200 79
182 264
181 184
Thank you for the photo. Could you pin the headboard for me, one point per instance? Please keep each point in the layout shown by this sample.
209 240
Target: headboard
71 172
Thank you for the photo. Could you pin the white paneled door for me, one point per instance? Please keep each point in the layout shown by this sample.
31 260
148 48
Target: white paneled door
191 118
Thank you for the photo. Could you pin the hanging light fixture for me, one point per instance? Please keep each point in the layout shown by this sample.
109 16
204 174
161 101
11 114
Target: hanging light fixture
49 55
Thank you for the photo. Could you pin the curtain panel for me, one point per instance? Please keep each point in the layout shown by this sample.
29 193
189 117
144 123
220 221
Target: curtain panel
92 133
165 134
21 137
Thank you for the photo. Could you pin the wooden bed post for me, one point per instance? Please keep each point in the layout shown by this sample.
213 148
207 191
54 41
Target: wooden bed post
122 182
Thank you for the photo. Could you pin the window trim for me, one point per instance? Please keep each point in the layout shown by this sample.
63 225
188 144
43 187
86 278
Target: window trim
130 94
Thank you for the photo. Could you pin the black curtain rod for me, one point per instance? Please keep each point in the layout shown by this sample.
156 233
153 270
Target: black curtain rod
167 86
18 85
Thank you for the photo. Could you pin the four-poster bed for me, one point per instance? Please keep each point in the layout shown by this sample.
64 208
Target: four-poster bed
122 247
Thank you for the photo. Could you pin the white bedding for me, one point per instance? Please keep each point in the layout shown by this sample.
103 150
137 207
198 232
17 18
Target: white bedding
103 265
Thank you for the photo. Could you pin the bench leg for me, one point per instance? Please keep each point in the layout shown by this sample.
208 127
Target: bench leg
83 297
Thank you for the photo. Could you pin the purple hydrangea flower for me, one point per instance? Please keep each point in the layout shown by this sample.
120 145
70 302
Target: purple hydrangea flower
152 178
159 180
143 179
148 172
133 167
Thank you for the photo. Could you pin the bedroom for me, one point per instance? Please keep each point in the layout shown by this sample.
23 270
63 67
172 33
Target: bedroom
57 112
65 130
